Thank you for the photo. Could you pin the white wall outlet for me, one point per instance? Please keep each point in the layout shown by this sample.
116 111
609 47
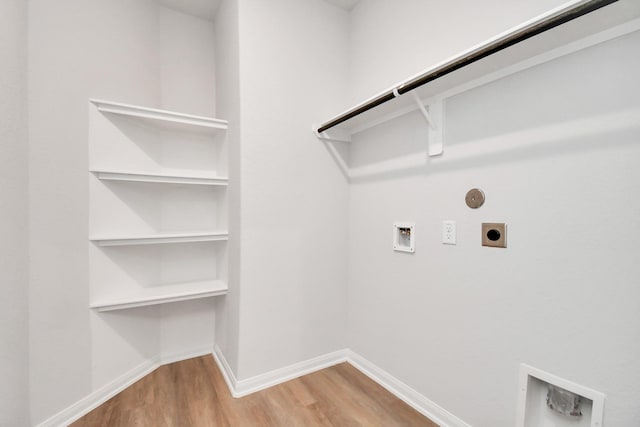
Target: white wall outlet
449 232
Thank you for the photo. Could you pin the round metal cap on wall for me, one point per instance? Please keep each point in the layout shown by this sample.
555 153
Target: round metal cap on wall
474 198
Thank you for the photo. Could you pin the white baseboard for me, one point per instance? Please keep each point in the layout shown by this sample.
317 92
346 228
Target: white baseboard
106 392
240 388
225 368
165 359
99 396
396 387
405 393
278 376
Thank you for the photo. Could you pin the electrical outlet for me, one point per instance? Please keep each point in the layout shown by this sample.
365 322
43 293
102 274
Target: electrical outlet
449 232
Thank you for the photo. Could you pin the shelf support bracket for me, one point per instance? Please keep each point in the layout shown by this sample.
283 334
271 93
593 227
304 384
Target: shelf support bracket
337 135
434 115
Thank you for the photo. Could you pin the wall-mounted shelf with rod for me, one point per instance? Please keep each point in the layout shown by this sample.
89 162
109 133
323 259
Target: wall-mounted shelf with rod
574 26
161 295
159 238
112 175
166 118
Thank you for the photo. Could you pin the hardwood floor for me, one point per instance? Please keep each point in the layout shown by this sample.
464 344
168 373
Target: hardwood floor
193 393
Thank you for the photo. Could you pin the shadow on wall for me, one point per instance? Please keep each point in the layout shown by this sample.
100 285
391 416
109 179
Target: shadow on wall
138 328
157 265
124 139
387 160
159 207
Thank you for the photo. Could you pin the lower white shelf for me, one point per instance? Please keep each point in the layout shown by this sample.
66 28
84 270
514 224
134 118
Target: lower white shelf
162 295
159 238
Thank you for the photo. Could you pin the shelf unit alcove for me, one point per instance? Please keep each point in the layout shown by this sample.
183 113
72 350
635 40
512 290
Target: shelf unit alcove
158 210
576 25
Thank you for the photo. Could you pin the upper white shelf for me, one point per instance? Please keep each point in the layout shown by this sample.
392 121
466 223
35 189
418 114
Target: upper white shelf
112 175
159 238
524 46
162 295
164 118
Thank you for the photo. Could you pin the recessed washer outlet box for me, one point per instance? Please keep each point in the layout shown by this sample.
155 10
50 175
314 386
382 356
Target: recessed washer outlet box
404 237
494 234
538 407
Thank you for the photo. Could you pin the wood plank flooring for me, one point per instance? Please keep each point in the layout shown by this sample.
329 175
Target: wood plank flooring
193 393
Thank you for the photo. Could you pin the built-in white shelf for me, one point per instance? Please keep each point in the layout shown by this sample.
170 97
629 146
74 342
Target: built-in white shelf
113 175
162 295
159 238
135 145
168 118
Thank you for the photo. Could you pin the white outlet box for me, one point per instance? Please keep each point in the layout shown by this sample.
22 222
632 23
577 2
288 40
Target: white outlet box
404 237
533 410
449 232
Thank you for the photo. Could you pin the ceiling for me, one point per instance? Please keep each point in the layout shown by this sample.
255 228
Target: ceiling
206 9
345 4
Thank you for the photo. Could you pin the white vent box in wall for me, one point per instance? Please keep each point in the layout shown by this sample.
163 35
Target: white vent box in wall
550 401
404 237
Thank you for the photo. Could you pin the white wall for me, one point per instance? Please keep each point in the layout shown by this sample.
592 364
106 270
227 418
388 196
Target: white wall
77 50
116 51
293 63
226 26
391 40
453 322
188 84
188 328
187 63
554 149
13 214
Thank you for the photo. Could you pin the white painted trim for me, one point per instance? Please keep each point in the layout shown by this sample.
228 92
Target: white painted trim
109 390
166 359
278 376
225 368
396 387
99 396
240 388
411 397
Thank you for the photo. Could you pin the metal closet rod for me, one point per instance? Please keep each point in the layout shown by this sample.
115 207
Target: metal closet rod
515 38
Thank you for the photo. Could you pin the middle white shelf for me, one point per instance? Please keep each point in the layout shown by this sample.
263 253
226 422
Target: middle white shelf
161 295
162 178
159 238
